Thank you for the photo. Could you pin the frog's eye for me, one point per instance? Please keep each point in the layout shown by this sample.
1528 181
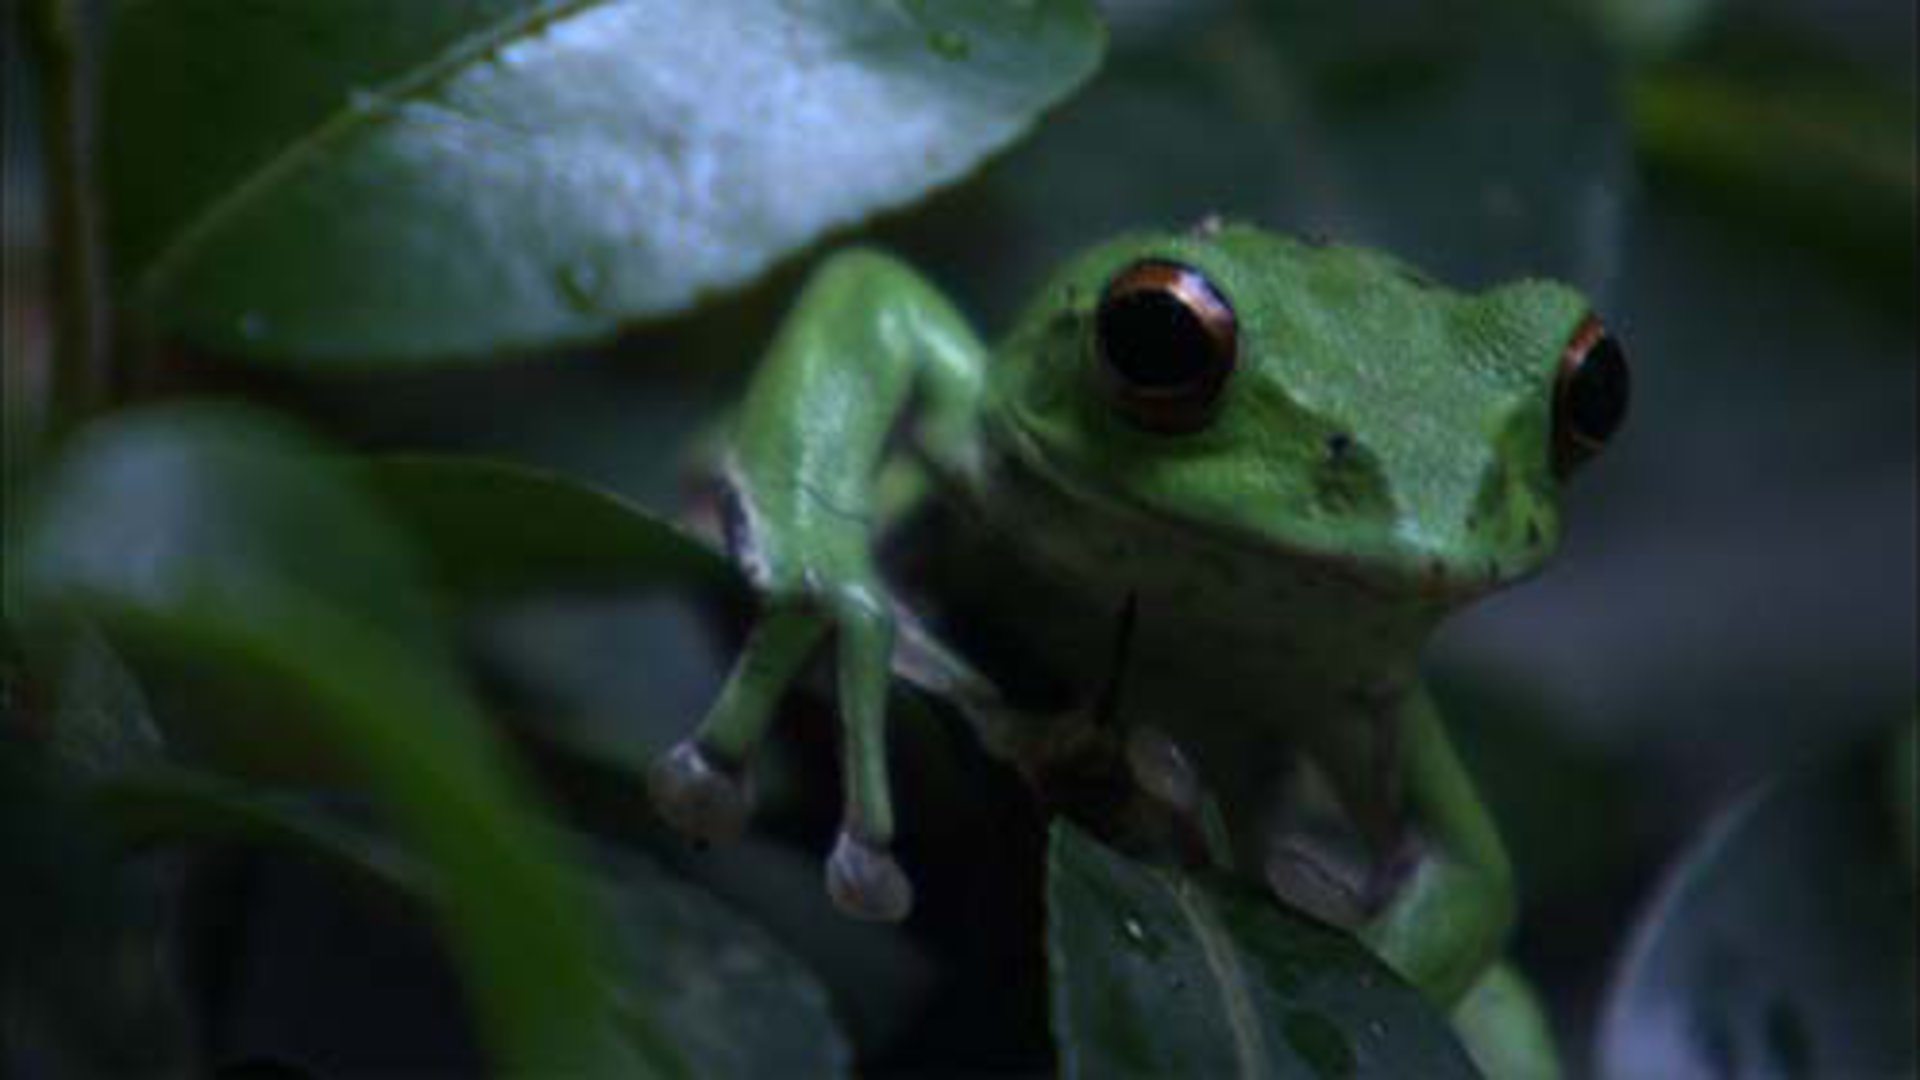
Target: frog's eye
1590 396
1165 342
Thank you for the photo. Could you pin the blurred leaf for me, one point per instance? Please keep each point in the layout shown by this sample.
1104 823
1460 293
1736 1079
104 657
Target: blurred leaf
736 1001
1795 146
677 960
1565 808
879 975
1903 778
1480 139
217 494
157 806
208 506
1157 973
71 697
1652 28
102 722
495 531
219 536
356 180
82 991
264 1068
1782 945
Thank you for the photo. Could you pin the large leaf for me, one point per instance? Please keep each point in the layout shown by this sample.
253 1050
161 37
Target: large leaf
496 530
1158 973
737 1003
345 180
1781 946
219 538
678 960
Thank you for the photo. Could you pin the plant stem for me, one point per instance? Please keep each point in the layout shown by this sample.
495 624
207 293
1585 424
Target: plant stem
82 376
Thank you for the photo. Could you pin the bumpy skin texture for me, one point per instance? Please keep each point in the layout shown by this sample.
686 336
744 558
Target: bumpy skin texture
1232 614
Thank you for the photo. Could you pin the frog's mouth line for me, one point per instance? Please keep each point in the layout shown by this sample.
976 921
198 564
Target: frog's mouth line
1018 453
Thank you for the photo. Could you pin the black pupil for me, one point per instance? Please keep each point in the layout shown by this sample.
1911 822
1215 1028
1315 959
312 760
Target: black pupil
1154 341
1596 401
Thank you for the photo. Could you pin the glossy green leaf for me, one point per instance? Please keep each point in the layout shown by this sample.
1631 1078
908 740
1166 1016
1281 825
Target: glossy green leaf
494 530
356 179
1781 946
1159 973
218 538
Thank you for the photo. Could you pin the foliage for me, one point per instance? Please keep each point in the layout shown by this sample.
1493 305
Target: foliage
404 610
1158 972
1782 942
363 181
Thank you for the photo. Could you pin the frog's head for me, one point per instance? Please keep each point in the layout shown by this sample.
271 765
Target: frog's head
1316 403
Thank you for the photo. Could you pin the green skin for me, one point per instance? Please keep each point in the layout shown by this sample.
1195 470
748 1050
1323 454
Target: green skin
1380 455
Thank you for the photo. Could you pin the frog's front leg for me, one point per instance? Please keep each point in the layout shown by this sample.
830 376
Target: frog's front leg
867 346
1449 916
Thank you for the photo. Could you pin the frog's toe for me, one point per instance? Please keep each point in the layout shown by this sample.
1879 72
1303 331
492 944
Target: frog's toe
866 882
1162 770
698 795
1302 878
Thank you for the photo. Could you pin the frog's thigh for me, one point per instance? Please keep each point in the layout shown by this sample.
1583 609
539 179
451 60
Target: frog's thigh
1501 1023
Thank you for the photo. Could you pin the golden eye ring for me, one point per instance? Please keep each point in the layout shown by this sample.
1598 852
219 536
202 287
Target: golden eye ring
1165 342
1590 395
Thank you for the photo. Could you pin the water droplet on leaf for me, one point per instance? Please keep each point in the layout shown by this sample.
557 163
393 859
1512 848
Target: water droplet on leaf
949 44
1142 939
1320 1043
582 285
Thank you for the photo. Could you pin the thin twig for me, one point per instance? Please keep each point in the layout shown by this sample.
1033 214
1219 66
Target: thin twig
82 354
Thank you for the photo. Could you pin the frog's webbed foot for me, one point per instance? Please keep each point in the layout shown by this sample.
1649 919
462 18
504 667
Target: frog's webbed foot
702 788
864 880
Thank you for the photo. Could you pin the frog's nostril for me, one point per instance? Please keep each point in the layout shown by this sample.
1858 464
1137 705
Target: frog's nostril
1349 479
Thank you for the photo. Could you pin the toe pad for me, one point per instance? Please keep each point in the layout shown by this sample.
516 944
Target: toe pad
866 882
698 796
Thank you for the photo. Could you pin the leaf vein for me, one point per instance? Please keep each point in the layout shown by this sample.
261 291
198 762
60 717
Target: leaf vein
342 122
1216 944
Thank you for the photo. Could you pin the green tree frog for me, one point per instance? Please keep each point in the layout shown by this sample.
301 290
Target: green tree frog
1174 548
